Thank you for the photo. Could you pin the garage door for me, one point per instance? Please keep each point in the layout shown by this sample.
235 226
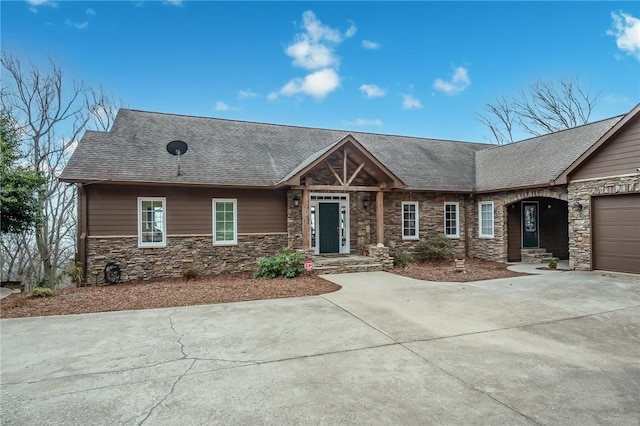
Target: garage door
616 233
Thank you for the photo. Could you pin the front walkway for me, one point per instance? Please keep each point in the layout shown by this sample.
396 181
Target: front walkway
558 348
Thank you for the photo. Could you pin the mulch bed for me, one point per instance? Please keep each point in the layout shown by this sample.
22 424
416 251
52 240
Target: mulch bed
476 270
161 294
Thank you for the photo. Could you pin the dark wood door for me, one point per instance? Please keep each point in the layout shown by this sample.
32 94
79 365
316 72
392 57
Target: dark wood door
329 227
616 233
530 228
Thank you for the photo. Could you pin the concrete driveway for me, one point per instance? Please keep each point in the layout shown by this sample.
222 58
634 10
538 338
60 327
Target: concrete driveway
553 349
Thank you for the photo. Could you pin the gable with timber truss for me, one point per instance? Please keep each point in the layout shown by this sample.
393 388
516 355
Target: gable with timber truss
345 166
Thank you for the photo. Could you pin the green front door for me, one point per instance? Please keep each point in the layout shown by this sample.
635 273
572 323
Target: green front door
329 227
530 228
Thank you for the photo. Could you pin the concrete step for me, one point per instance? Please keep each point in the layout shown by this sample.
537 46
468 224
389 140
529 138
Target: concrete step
344 269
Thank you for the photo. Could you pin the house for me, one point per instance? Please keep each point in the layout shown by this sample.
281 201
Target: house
237 191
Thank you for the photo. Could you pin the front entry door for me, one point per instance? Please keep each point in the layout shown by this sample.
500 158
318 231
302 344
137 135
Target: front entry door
329 227
530 228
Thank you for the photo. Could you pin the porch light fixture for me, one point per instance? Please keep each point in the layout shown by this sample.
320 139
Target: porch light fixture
365 202
296 201
577 207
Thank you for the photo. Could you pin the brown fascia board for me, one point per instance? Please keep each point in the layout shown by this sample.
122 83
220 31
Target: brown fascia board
563 178
155 183
550 183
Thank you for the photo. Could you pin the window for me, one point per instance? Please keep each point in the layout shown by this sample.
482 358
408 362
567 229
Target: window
152 224
225 222
485 218
410 220
451 222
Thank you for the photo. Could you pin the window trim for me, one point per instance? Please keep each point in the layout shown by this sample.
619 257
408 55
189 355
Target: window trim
480 217
457 206
162 243
417 212
235 221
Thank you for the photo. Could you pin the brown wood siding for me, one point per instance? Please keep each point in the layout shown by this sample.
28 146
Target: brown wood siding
514 230
616 233
113 209
620 156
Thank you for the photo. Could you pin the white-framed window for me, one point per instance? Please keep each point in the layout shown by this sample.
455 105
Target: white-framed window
410 225
485 219
225 221
152 222
452 220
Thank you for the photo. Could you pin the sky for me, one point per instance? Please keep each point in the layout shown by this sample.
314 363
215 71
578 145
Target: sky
422 69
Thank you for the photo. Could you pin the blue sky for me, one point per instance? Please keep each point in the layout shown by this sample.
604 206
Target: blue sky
416 68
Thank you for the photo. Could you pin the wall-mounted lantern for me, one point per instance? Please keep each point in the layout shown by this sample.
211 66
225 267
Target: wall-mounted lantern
577 206
365 202
296 201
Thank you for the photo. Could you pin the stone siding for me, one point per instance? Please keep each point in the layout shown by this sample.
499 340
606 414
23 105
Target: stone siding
180 253
496 248
430 218
580 221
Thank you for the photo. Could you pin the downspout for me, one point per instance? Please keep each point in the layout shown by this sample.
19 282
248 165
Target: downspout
81 255
466 227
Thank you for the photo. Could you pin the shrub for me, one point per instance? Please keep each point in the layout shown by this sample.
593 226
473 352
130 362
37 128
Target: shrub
401 259
285 263
42 292
189 273
75 273
435 246
44 283
553 264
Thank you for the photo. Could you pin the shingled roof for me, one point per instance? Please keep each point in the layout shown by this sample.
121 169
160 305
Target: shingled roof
538 160
239 153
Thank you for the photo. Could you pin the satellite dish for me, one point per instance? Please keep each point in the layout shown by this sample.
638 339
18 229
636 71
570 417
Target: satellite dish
177 147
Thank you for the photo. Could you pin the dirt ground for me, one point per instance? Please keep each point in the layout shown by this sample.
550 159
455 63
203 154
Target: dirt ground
218 289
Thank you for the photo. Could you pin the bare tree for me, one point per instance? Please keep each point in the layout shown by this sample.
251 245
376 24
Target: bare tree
52 113
543 108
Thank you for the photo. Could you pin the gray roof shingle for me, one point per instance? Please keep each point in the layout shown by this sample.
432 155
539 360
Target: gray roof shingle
228 152
537 160
239 153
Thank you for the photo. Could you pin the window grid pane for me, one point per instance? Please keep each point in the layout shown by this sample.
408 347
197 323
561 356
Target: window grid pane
409 228
152 221
224 221
451 219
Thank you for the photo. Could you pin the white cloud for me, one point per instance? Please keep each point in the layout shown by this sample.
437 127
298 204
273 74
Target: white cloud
314 50
36 3
318 85
221 106
368 122
351 31
409 102
246 94
78 25
90 12
458 83
626 30
370 45
173 2
371 91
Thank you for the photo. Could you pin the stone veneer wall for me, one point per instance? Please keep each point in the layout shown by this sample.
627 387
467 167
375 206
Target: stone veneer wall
181 252
431 218
580 221
496 248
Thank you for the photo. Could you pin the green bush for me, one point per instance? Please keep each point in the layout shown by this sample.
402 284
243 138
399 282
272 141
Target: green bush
401 259
435 246
189 273
75 273
42 292
553 264
285 263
